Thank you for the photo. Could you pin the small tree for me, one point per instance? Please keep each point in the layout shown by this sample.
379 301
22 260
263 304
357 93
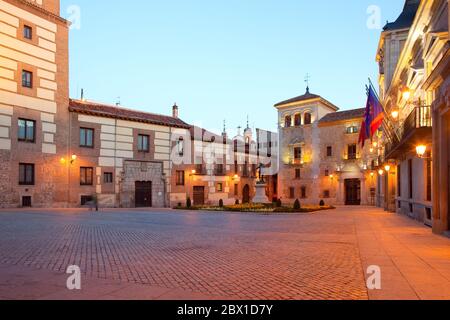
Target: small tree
188 203
279 203
221 203
322 203
297 205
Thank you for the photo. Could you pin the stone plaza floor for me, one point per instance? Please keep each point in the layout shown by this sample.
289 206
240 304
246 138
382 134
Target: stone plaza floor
165 254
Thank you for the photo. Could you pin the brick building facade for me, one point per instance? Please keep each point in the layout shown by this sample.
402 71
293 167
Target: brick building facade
34 98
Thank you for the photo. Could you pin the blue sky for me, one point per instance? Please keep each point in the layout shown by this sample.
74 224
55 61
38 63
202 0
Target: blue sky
223 59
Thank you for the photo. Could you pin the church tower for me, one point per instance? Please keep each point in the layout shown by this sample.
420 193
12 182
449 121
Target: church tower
34 97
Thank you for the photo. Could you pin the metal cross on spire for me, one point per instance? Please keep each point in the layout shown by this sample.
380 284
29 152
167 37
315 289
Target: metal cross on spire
307 79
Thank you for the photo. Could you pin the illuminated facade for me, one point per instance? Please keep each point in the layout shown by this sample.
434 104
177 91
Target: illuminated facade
57 152
216 167
320 158
410 52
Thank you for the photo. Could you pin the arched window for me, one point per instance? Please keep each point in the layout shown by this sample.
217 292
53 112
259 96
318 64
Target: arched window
297 120
288 121
307 118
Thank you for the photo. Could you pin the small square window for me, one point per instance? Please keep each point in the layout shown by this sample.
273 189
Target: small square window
26 130
297 174
86 138
143 143
86 176
329 151
27 79
28 32
86 199
326 194
108 177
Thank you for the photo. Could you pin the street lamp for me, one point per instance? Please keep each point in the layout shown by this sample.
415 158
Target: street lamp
380 172
395 114
421 150
406 93
387 168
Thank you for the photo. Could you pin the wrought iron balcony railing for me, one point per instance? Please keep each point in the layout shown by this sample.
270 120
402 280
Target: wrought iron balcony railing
420 117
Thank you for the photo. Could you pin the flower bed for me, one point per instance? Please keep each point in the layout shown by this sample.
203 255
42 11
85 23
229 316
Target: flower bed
258 208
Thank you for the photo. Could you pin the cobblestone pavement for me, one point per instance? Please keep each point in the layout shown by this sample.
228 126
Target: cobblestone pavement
188 255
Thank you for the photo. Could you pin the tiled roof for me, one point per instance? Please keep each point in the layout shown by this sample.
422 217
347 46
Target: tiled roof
103 110
307 96
406 18
304 97
343 115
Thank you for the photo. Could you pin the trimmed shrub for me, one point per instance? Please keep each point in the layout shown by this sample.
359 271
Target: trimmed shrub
297 205
236 202
279 203
221 203
188 203
322 203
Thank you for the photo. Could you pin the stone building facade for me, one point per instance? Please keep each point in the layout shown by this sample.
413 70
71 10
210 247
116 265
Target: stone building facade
33 103
320 158
412 93
215 167
128 151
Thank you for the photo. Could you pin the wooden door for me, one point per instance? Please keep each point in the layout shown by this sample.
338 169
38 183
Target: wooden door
143 194
352 192
199 196
246 194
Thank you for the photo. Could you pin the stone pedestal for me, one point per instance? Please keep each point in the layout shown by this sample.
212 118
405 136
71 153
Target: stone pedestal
260 196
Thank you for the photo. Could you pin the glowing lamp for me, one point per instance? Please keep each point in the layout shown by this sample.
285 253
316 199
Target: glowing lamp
375 144
194 171
406 93
380 172
62 161
395 114
74 157
387 168
421 150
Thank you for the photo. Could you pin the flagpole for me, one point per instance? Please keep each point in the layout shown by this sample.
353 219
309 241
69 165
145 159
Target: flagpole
376 93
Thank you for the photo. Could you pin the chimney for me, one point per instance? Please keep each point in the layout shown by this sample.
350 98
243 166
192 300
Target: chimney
175 111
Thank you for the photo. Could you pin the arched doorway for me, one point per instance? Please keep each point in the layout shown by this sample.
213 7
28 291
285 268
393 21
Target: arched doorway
246 194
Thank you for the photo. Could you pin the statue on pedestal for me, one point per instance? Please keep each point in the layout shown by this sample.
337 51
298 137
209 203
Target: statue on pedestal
260 186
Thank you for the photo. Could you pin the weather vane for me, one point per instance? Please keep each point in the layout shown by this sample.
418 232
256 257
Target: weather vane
307 78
